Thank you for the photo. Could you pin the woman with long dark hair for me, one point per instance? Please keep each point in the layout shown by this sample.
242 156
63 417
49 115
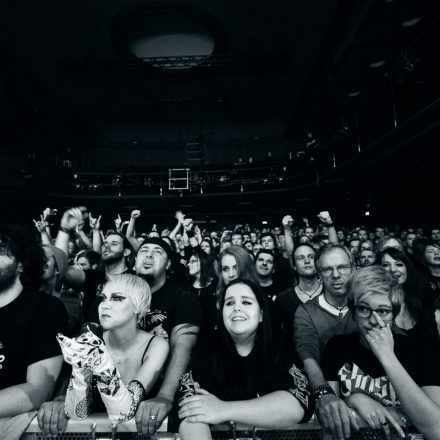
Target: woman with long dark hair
242 373
414 286
203 285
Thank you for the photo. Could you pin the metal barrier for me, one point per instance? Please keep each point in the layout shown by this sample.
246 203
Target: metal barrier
98 427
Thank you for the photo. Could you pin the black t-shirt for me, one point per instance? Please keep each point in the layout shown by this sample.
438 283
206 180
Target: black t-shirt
283 274
28 329
229 376
208 303
284 309
357 369
273 290
172 306
434 284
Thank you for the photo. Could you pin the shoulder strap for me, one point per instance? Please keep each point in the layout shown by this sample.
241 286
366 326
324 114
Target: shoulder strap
146 349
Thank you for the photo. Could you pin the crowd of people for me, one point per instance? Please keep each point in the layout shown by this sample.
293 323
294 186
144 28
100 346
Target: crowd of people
263 326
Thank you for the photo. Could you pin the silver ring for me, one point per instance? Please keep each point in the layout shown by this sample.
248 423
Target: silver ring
153 417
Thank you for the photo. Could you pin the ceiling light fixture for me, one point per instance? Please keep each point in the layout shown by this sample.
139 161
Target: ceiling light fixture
377 64
410 22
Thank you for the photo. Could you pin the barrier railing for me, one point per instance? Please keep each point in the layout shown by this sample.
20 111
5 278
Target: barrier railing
98 427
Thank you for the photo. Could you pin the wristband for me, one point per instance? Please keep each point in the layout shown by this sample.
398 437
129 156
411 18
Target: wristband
322 390
65 230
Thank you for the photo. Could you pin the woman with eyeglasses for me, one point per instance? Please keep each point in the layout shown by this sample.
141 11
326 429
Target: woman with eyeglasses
242 373
203 285
351 367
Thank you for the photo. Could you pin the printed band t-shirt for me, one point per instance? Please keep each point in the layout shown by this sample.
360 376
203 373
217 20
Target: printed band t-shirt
356 369
170 306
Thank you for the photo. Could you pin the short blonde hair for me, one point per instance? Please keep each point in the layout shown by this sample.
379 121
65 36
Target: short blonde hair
136 289
374 279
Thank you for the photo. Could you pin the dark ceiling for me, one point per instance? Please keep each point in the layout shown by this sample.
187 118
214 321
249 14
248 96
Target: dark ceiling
315 102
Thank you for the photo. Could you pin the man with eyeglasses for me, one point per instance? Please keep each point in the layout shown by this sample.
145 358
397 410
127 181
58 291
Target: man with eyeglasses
318 320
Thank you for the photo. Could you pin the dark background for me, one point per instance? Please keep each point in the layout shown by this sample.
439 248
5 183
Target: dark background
298 107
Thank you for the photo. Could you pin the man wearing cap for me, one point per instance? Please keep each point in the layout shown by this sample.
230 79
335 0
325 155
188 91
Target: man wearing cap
174 314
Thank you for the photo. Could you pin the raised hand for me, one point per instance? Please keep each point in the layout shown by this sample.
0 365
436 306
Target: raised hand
118 223
136 213
324 217
188 224
71 219
95 223
179 216
41 224
287 221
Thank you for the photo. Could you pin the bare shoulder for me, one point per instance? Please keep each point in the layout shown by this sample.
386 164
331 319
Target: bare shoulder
155 344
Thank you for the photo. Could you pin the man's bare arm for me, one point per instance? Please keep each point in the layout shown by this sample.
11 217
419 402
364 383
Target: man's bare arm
40 381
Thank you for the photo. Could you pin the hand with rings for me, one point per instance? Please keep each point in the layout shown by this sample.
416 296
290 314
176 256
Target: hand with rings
375 415
151 414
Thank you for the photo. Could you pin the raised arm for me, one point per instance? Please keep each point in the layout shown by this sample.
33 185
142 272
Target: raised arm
180 217
41 226
324 217
95 225
82 237
131 229
188 227
69 221
288 238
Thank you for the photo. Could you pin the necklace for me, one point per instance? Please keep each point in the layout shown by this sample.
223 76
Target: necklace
339 310
310 295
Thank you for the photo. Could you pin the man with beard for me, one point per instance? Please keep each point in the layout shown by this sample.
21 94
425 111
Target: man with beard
115 252
30 357
367 257
174 314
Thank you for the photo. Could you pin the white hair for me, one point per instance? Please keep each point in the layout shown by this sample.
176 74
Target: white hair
136 289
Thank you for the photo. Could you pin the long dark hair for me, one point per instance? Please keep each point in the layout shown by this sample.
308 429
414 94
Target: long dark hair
414 287
426 327
206 266
263 350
